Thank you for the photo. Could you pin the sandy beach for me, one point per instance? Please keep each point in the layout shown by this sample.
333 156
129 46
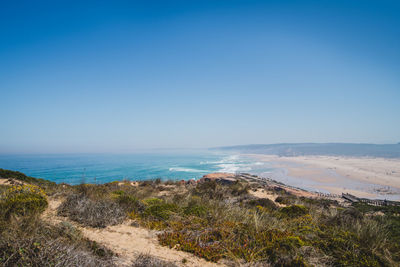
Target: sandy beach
364 177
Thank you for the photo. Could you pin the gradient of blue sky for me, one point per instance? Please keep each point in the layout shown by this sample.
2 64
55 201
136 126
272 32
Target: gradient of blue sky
97 76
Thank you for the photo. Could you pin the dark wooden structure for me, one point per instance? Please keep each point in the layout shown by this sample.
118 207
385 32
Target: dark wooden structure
374 202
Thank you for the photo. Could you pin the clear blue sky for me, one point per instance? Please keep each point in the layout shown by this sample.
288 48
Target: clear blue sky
112 76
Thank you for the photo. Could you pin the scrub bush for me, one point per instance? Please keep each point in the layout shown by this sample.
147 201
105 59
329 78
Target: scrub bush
22 200
287 200
144 260
128 202
211 220
293 211
34 243
19 176
195 210
195 207
263 202
99 213
158 209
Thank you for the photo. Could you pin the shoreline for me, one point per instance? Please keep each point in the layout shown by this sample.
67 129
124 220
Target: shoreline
363 177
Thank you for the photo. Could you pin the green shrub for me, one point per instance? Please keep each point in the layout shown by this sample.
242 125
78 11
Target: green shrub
238 188
344 217
128 202
392 225
153 201
22 200
157 209
119 192
195 210
263 202
346 248
194 207
318 202
364 208
293 211
285 200
236 240
208 189
22 177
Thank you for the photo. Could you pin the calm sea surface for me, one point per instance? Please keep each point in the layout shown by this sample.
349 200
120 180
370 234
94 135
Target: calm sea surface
102 168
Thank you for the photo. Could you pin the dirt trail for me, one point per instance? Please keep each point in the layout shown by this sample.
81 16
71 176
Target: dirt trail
262 193
10 181
128 241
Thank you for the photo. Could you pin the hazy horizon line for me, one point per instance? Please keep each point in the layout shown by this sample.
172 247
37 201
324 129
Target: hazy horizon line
180 149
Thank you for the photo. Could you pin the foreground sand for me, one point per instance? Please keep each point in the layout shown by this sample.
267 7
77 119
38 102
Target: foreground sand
128 241
364 177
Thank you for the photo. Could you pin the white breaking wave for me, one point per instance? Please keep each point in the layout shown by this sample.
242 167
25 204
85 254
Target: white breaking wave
227 159
179 169
234 163
211 162
232 167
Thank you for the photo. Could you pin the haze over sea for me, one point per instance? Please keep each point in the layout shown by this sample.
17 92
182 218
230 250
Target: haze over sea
103 168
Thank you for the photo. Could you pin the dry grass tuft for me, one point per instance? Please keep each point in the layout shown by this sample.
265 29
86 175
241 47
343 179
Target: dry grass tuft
145 260
28 241
91 213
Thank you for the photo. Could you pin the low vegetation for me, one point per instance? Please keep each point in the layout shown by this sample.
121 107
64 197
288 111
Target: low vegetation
23 178
25 240
144 260
214 221
22 200
92 213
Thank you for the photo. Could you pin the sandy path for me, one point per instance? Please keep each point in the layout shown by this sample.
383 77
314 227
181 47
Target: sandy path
128 241
262 193
8 181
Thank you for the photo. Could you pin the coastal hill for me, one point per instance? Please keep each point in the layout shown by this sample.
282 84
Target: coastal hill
328 149
221 219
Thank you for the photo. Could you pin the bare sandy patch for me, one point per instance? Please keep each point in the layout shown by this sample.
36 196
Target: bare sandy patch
50 214
127 241
300 193
262 193
9 181
219 175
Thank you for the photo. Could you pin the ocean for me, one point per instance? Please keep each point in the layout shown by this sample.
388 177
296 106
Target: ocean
103 168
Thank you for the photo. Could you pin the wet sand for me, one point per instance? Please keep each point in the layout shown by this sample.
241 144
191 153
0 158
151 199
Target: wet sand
363 177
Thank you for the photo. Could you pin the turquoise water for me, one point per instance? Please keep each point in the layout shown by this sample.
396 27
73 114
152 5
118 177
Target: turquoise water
102 168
